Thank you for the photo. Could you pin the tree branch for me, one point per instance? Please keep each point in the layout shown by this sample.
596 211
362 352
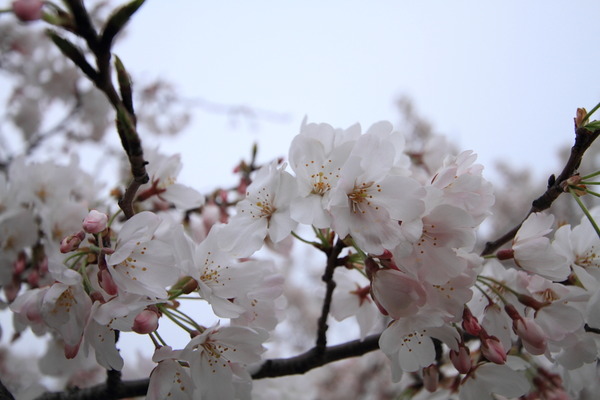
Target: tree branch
4 393
99 392
313 358
332 262
273 368
583 140
102 78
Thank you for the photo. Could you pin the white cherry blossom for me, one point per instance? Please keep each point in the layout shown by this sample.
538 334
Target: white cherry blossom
533 251
142 263
217 357
264 211
370 203
316 156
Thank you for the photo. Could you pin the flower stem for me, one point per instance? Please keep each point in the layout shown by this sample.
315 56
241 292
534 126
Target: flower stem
585 211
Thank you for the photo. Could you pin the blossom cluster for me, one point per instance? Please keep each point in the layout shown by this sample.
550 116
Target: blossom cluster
408 228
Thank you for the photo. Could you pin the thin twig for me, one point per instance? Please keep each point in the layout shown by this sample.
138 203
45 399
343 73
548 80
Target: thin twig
583 140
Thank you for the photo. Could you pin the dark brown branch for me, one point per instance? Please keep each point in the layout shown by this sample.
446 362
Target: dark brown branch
124 390
4 393
269 369
102 78
313 359
332 262
583 140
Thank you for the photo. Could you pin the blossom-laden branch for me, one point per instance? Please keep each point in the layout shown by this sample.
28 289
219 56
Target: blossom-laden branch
273 368
556 186
100 45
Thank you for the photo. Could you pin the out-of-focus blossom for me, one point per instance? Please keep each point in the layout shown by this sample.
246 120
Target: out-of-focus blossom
28 10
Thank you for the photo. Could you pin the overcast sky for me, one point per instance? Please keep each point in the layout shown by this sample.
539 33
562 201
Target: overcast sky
500 78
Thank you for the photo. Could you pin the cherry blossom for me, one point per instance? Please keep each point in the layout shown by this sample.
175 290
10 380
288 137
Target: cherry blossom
163 171
369 203
316 156
216 358
169 379
264 211
533 251
141 263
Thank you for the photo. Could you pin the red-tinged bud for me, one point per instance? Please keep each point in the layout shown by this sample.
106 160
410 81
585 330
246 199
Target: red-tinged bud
470 323
505 254
512 312
431 378
11 291
493 350
71 351
580 117
97 296
390 264
95 222
20 264
461 359
107 282
531 302
371 267
146 321
186 284
387 255
28 10
71 242
33 279
530 333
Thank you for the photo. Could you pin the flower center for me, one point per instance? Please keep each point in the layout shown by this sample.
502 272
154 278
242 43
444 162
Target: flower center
360 197
320 184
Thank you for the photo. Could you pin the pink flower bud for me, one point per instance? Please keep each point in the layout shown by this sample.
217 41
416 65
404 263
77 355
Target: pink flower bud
461 359
97 296
33 279
20 265
11 291
493 350
28 10
470 323
95 222
146 321
431 378
71 242
531 334
107 282
505 254
371 267
71 350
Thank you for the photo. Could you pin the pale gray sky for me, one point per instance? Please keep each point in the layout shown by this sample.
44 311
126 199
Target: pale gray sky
501 78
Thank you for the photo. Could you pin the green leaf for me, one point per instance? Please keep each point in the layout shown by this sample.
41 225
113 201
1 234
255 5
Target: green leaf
74 54
124 80
117 21
592 126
